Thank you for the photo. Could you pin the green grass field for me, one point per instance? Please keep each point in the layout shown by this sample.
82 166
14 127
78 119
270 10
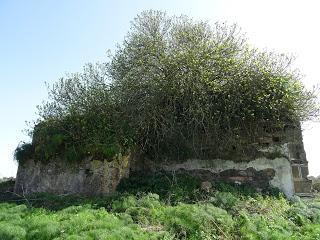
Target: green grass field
160 210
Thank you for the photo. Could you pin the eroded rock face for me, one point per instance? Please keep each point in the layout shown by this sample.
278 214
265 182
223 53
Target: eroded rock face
89 177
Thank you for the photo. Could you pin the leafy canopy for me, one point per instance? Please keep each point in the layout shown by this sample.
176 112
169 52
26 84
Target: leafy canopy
176 87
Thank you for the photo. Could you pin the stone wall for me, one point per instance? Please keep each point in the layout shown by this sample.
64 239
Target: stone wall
280 162
259 173
90 177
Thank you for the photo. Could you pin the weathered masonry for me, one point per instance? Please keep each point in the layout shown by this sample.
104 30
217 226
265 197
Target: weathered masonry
281 163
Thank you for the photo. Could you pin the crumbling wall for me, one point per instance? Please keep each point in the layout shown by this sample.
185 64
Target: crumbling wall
259 173
88 177
299 165
280 162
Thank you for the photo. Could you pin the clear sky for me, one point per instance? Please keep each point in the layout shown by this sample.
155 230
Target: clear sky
40 41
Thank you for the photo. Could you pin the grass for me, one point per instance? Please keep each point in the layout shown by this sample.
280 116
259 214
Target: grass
176 209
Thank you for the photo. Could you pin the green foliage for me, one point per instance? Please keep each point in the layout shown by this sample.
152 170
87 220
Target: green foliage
175 188
176 88
171 188
189 221
11 232
23 152
245 190
80 222
303 212
124 203
265 218
316 186
201 89
225 200
74 137
198 221
7 185
217 214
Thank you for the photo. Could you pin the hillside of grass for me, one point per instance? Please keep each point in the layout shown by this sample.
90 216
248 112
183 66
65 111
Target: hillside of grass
164 208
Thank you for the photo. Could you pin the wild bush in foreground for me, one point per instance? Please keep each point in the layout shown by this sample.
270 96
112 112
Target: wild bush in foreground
81 222
226 212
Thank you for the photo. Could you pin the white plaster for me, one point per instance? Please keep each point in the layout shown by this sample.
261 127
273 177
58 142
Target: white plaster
283 175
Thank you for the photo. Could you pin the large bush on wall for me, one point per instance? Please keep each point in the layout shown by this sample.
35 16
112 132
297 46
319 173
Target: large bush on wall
175 88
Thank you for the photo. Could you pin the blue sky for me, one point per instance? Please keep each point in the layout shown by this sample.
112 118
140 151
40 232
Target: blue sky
40 41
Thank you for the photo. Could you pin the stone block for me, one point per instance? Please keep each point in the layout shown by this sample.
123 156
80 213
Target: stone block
89 177
302 186
304 171
295 171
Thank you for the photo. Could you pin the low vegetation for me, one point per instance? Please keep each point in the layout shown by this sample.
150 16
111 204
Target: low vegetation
176 208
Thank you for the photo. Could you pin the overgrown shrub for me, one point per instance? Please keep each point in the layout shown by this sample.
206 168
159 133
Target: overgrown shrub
171 188
80 222
7 185
302 213
176 88
316 186
201 90
222 214
198 222
23 152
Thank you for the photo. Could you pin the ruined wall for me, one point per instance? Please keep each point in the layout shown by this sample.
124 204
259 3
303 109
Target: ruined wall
281 162
260 173
89 177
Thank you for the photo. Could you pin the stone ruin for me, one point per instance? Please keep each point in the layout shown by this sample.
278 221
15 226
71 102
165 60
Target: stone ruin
282 164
